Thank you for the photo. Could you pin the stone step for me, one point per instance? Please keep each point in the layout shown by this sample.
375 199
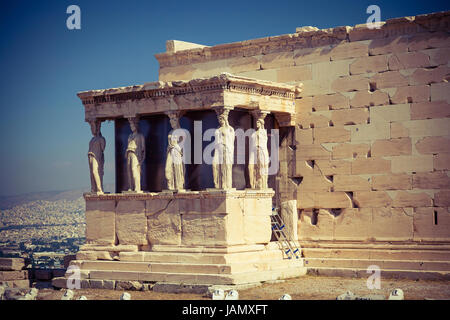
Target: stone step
187 268
384 273
201 258
199 278
380 254
419 265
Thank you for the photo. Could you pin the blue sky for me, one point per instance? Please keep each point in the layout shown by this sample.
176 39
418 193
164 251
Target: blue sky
43 65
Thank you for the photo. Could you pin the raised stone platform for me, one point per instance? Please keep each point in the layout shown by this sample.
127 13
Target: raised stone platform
213 237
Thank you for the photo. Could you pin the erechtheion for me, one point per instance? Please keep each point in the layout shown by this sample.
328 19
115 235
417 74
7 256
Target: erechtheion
351 127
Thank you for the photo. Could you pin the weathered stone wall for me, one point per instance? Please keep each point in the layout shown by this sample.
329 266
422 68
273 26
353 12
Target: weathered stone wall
192 218
370 157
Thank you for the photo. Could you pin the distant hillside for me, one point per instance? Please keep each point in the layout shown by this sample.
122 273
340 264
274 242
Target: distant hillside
7 202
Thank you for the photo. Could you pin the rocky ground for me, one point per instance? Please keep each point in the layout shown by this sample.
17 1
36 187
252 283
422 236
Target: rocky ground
303 288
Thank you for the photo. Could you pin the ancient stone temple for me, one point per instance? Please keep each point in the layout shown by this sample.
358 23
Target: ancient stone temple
344 131
181 218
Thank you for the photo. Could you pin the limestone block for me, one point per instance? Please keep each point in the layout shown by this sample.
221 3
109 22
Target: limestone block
346 50
243 64
330 70
350 183
388 45
303 136
428 128
366 98
331 134
164 228
312 120
440 91
412 199
422 41
311 55
392 113
350 151
369 64
158 206
322 229
131 222
389 79
441 161
353 224
305 200
431 224
13 275
132 256
198 229
392 182
429 76
302 168
430 110
420 93
433 145
256 206
257 229
269 75
329 200
303 105
431 180
210 68
277 60
363 32
312 152
408 60
100 221
370 132
330 102
438 56
408 164
294 74
290 217
12 264
371 166
315 183
372 199
332 167
350 83
181 72
392 147
350 116
442 198
398 130
94 255
392 224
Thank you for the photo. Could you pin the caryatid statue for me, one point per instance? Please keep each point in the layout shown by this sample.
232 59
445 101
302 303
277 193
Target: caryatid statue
95 157
222 163
135 155
258 167
174 162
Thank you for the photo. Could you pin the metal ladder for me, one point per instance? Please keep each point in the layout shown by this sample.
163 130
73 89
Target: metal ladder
279 230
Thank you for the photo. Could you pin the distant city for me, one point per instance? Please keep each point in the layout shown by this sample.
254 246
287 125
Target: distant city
44 231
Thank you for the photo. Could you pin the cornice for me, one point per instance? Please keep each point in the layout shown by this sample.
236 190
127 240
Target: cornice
308 37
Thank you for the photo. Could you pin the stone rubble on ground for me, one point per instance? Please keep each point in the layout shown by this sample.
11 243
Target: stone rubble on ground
125 296
285 297
232 295
218 294
396 294
82 298
68 295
